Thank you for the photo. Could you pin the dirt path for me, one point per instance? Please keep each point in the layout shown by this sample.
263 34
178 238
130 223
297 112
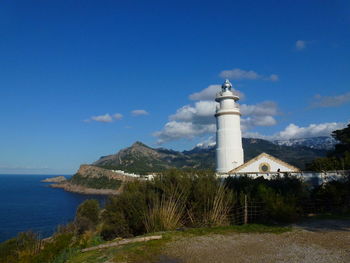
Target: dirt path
313 241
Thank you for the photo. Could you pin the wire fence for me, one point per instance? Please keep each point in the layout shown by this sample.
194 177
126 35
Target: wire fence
256 212
248 212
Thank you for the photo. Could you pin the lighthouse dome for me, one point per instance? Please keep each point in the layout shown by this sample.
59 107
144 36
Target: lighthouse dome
226 85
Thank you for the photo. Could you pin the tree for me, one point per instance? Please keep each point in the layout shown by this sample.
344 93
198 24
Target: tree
339 158
343 136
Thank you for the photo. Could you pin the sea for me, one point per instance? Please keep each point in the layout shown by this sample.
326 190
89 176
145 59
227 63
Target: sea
26 203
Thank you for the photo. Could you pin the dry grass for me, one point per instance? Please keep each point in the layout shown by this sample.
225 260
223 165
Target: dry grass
218 208
166 214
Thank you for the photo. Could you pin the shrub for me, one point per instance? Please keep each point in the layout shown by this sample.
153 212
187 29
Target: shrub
166 214
52 249
278 208
21 248
124 214
333 196
87 216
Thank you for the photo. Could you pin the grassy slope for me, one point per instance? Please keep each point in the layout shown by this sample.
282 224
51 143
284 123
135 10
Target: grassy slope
149 251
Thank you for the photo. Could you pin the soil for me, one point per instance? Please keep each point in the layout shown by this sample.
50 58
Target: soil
311 241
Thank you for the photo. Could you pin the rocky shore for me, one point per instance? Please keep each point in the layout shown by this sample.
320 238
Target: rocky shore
57 179
85 190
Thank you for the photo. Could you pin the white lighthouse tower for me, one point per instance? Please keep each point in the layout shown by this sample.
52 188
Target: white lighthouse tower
229 151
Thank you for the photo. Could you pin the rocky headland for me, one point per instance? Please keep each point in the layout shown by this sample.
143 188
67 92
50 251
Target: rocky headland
57 179
69 187
91 179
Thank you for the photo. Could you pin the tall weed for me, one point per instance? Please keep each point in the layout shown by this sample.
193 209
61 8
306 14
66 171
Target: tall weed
166 213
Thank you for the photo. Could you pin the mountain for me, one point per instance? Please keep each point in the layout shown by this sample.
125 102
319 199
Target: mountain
321 143
142 159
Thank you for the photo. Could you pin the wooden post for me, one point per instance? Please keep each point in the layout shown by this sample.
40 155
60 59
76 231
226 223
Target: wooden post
245 210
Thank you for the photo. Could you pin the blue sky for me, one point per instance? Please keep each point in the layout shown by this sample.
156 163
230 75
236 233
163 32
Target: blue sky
67 67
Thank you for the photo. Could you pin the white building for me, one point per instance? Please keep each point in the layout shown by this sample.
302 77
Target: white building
229 151
264 165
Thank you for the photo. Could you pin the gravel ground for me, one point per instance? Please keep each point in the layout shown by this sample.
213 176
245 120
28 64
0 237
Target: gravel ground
314 241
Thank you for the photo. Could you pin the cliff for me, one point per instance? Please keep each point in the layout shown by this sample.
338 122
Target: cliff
94 180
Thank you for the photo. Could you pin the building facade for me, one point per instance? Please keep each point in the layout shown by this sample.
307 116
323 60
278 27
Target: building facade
264 165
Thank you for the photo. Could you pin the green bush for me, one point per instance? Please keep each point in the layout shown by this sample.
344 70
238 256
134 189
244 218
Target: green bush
173 199
333 196
115 225
126 211
20 249
87 216
278 208
57 245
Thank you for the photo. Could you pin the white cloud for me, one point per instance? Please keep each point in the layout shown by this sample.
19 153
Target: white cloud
198 119
102 118
261 114
238 74
263 108
105 118
251 122
188 122
174 130
300 44
139 112
117 116
209 93
274 77
293 131
201 112
330 101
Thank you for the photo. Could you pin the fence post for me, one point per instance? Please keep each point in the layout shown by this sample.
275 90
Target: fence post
245 210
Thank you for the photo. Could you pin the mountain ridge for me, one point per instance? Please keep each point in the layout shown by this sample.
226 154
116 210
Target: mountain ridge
142 159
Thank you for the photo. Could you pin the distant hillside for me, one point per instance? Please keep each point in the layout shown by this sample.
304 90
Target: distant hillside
142 159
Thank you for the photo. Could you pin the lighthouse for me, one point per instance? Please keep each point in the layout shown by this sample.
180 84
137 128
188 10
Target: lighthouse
229 151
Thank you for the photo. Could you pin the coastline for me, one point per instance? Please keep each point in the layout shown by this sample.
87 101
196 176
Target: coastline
56 179
85 190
